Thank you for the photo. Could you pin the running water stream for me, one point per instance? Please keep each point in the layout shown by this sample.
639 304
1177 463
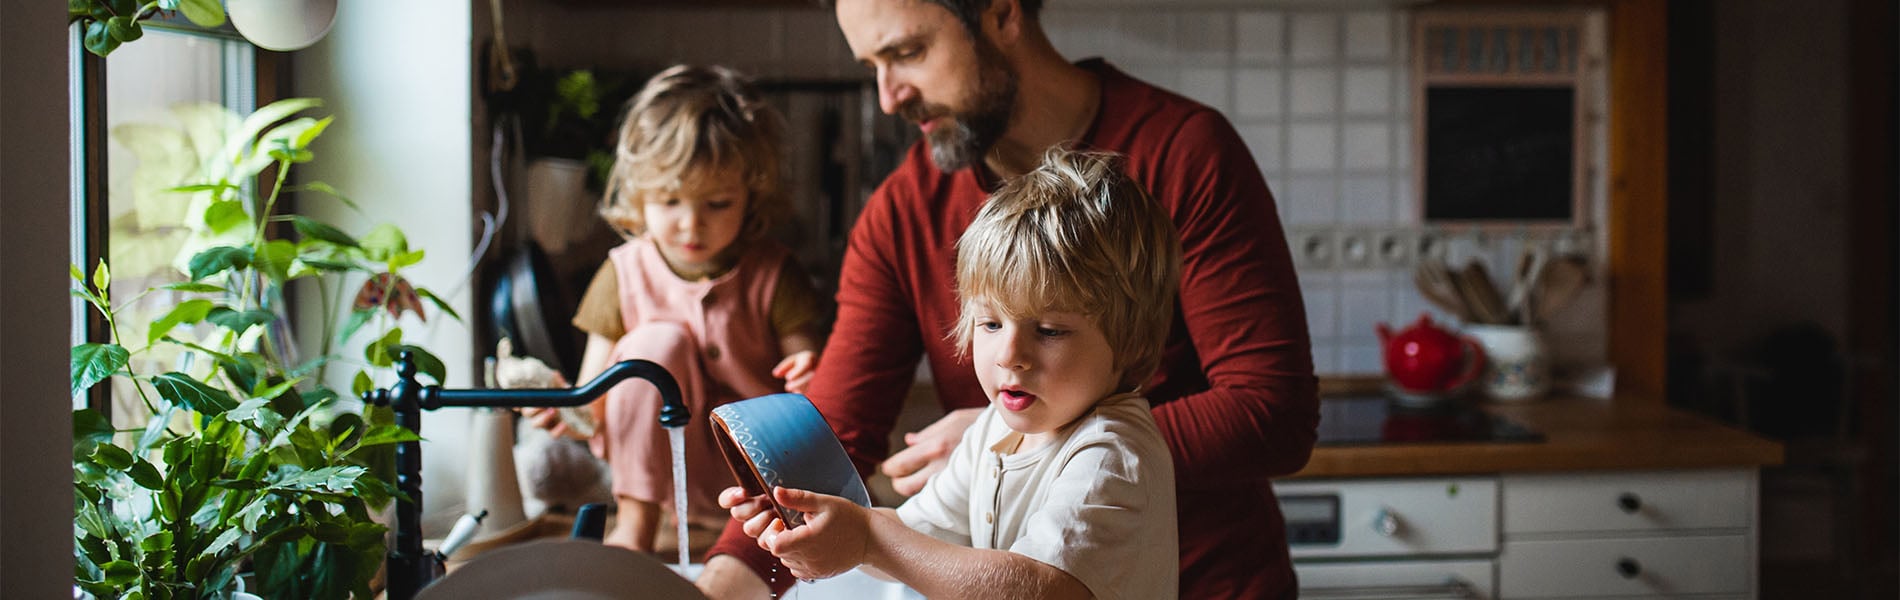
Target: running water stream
677 436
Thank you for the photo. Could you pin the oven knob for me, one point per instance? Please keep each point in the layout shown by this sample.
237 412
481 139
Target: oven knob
1628 568
1385 523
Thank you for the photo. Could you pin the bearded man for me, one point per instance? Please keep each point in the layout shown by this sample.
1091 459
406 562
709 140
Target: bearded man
1235 396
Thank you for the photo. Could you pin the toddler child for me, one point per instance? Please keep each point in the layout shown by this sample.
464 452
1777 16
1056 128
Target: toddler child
698 288
1063 487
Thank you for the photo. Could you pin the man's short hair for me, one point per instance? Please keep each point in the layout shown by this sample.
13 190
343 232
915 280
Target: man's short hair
970 12
1076 235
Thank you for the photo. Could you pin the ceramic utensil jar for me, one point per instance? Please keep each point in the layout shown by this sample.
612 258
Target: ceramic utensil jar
1517 364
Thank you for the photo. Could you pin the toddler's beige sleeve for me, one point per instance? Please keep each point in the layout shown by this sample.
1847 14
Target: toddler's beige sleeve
599 311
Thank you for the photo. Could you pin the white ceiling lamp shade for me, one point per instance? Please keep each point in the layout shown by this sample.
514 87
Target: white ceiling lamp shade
282 25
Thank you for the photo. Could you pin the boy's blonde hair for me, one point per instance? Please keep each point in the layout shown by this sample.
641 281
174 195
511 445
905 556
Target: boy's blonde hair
689 122
1075 235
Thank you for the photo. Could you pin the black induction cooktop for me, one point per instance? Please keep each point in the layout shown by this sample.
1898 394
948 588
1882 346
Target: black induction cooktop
1360 420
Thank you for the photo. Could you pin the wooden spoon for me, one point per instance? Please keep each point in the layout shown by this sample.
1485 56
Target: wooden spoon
1436 285
1482 294
1564 278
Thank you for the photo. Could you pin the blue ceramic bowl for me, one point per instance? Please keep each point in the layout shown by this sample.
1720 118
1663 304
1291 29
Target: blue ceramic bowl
781 441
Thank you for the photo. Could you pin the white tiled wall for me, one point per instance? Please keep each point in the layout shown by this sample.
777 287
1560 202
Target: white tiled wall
1320 93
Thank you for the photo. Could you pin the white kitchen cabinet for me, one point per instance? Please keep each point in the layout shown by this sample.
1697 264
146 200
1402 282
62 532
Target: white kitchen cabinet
1629 535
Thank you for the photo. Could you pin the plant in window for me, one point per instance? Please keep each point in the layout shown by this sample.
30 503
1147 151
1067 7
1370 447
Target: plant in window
105 24
247 455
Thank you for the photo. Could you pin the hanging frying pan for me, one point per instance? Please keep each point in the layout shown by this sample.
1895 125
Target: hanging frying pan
526 307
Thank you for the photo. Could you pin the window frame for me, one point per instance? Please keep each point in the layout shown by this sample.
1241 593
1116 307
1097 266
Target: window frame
90 196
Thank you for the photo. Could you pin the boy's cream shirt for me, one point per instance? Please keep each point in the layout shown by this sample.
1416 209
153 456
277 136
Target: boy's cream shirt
1097 502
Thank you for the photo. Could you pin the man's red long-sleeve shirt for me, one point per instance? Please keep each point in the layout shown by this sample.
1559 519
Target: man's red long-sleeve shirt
1235 395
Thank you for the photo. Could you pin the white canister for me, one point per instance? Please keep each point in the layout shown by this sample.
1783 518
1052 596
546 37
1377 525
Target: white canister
1517 365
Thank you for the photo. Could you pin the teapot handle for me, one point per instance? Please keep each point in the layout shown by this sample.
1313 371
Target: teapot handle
1473 366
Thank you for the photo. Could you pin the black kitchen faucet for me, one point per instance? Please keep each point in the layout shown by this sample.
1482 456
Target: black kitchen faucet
409 567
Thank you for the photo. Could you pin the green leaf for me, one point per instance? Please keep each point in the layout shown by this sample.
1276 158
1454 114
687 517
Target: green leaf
191 286
90 428
236 321
189 311
361 384
257 412
308 135
102 277
205 187
312 228
383 435
335 480
155 428
87 517
325 188
98 40
404 259
119 572
124 29
274 391
225 215
146 475
217 259
224 540
438 302
204 13
77 276
291 156
382 351
183 390
426 362
111 457
93 363
384 241
357 320
274 257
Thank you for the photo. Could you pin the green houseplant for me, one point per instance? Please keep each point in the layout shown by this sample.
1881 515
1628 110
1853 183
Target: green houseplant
246 456
105 24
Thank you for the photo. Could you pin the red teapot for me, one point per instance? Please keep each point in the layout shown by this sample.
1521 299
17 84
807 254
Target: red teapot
1425 359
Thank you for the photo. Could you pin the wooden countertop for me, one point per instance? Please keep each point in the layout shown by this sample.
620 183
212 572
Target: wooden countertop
1579 435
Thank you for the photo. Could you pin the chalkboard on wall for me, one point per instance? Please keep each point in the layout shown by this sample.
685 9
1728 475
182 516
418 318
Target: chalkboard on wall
1500 153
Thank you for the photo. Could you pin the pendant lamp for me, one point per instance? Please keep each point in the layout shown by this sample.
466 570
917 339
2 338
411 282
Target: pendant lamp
282 25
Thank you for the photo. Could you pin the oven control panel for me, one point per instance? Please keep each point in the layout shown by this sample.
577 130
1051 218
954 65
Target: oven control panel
1311 519
1366 518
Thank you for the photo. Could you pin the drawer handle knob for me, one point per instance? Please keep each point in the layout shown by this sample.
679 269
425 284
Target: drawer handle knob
1385 523
1629 503
1628 568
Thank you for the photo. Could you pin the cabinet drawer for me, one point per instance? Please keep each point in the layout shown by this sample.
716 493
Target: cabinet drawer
1625 567
1629 501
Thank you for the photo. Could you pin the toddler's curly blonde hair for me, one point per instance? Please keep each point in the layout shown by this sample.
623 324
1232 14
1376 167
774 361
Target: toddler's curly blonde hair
691 122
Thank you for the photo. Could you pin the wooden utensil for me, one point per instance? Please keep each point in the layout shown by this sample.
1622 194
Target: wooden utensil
1530 271
1482 294
1563 278
1436 285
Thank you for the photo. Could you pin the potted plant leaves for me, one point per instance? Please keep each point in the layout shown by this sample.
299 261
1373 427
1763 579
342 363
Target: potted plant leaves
245 456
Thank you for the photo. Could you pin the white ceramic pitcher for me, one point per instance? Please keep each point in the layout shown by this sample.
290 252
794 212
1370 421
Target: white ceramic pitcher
1517 364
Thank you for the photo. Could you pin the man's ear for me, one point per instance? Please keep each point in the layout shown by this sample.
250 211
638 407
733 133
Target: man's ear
1003 22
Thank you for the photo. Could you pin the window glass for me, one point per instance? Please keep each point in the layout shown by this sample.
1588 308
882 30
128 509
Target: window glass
166 100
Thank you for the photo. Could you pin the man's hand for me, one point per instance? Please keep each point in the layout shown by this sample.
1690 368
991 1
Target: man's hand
836 536
796 369
927 450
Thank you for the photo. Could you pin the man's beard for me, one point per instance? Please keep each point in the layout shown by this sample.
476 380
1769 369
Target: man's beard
965 137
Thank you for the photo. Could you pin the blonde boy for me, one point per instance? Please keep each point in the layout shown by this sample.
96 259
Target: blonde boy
1063 487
